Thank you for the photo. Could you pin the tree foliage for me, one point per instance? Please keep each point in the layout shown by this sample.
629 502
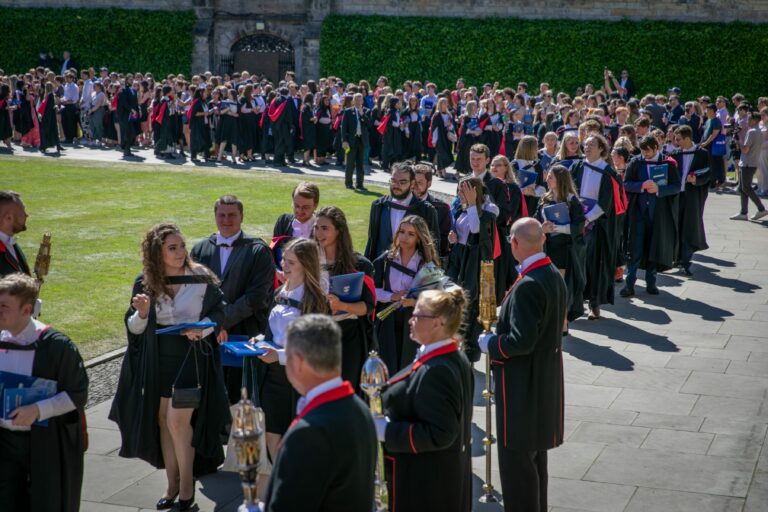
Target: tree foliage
124 40
700 58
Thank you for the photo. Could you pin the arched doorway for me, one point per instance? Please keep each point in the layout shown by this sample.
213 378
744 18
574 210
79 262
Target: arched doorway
264 55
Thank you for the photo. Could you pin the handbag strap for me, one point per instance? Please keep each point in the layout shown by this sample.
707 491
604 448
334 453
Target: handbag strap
183 363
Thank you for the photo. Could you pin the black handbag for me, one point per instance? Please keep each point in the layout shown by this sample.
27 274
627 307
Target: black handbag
187 398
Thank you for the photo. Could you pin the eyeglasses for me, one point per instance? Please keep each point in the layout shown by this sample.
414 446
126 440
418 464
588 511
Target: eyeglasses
423 316
399 182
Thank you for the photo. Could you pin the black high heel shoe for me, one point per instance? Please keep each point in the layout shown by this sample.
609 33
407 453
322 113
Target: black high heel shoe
186 504
166 503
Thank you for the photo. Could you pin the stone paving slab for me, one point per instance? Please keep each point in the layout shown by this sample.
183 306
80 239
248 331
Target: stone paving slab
666 398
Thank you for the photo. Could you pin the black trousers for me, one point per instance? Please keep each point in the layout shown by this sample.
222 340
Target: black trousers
15 467
69 120
747 193
355 162
523 480
127 135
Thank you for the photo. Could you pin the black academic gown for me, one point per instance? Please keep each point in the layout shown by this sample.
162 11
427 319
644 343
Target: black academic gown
199 132
527 363
413 143
380 228
137 400
465 142
690 225
568 252
491 137
5 120
248 283
444 220
601 238
357 333
391 141
504 268
57 450
308 128
9 264
464 270
531 202
659 248
49 130
444 147
247 127
326 461
282 130
163 128
430 412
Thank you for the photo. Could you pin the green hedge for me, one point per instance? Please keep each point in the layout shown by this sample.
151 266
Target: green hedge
123 40
700 58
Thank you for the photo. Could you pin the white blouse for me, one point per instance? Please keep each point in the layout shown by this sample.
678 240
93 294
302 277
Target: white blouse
397 280
467 223
282 315
185 307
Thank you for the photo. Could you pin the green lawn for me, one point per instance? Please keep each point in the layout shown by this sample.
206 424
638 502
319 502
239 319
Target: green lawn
98 213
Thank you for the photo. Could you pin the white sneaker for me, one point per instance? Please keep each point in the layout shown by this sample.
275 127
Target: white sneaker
738 216
759 215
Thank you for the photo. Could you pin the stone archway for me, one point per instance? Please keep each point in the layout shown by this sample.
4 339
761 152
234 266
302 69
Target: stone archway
263 54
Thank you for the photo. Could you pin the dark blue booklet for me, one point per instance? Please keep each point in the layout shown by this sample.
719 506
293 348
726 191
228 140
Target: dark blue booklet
176 329
557 213
348 287
17 390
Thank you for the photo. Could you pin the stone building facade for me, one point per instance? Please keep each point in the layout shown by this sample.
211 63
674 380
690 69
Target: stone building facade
285 34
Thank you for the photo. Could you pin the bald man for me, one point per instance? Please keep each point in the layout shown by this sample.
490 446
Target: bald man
527 363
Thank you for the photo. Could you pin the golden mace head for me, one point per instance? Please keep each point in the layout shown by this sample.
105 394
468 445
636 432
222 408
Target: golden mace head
43 260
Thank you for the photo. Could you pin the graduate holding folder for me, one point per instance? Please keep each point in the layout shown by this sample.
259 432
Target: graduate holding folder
41 468
172 290
347 269
563 221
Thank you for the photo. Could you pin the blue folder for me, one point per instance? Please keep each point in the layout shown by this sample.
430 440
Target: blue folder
588 204
658 173
348 287
236 349
17 390
176 329
557 213
526 177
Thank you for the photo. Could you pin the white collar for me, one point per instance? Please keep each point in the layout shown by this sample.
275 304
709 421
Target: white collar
296 293
322 388
599 163
692 148
655 158
523 163
426 349
481 176
310 221
413 263
221 240
404 202
530 260
27 336
8 240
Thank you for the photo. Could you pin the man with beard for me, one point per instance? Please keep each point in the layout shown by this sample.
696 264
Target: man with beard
13 220
388 211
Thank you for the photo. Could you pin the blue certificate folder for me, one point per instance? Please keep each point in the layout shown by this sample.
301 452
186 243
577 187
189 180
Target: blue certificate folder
348 287
176 329
17 390
558 213
236 349
526 177
658 173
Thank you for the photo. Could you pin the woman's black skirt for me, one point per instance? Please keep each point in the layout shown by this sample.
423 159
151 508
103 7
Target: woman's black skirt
172 350
278 399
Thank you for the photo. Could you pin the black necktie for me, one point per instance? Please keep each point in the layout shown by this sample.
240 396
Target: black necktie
224 245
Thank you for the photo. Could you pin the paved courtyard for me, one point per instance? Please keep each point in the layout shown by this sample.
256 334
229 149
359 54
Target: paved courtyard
666 397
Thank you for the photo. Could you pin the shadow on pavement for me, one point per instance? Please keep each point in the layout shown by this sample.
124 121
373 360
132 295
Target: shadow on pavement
597 355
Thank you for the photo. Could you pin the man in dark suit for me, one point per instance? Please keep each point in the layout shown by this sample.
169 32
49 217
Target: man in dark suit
127 105
527 361
67 63
13 220
244 265
327 457
354 135
281 114
421 186
388 211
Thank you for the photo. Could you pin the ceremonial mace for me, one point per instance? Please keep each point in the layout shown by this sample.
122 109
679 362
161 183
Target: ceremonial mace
43 260
373 378
246 437
486 318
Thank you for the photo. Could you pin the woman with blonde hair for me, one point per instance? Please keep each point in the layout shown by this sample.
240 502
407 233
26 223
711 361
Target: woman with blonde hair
153 425
394 270
569 152
429 412
527 161
301 294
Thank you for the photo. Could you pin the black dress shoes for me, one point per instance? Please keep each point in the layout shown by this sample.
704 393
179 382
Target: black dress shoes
186 504
652 290
166 503
627 291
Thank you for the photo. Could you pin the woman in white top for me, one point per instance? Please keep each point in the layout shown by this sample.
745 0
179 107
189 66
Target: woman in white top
300 294
394 271
171 291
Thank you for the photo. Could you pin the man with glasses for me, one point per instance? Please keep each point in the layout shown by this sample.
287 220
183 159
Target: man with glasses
388 211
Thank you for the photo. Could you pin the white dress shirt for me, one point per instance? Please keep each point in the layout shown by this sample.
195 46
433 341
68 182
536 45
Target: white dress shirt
9 242
397 280
85 99
225 248
426 349
396 214
185 307
71 93
590 187
530 260
303 230
687 161
467 223
317 391
21 361
281 317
